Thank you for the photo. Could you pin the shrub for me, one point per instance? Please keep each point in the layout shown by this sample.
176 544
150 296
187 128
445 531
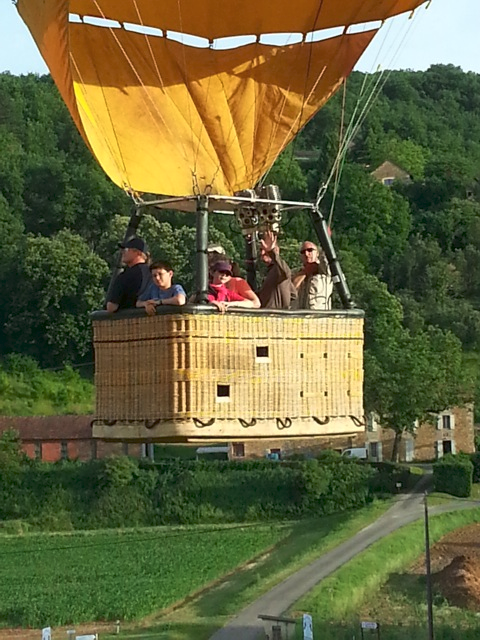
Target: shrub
475 459
349 487
388 475
477 440
453 475
14 527
313 483
119 492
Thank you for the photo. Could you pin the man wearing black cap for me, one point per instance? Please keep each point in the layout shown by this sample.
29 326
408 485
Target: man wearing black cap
136 277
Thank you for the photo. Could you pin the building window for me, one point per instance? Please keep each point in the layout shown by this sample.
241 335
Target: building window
125 448
447 422
94 449
238 449
38 450
374 449
388 181
64 450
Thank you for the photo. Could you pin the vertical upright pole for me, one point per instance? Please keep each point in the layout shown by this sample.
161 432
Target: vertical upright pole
251 259
201 274
428 572
131 232
338 276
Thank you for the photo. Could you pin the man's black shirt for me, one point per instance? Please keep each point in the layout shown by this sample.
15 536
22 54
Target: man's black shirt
128 284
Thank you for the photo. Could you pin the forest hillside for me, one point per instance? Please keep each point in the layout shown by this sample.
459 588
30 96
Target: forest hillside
410 250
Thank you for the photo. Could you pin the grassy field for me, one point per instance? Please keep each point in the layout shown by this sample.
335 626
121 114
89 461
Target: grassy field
67 579
60 579
373 587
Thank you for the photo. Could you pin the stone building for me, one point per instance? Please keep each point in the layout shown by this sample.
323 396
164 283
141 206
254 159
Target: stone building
388 172
53 438
282 448
451 432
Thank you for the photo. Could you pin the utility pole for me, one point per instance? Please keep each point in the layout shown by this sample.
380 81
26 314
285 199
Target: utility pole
428 573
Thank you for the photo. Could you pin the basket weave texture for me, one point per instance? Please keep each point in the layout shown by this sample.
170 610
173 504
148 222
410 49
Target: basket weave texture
179 367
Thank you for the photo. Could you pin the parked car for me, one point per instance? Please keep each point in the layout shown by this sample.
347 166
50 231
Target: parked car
356 452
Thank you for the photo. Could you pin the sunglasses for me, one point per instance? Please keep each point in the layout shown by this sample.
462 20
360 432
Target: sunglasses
304 251
225 273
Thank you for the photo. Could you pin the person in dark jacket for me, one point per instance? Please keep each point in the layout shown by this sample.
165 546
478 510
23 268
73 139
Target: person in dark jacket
134 279
277 290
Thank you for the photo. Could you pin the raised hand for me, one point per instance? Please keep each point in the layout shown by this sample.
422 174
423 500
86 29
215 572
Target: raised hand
269 241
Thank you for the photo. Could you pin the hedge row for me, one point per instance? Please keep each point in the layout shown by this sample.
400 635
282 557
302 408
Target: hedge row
454 475
475 459
119 492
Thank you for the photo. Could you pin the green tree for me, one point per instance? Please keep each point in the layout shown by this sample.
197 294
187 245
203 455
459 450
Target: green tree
408 376
288 175
371 220
49 315
11 465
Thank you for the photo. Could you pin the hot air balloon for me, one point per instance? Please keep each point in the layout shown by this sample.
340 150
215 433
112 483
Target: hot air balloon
186 104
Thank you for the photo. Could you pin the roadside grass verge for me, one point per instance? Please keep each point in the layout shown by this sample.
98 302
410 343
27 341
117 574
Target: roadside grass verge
438 498
356 591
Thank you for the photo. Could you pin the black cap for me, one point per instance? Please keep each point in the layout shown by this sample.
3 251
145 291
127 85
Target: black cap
135 243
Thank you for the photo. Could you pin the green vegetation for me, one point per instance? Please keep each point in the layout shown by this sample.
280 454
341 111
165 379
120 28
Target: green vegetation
357 590
453 474
123 492
438 498
475 458
391 477
78 576
124 575
25 389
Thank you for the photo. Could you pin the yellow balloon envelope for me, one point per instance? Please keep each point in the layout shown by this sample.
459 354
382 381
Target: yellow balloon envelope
170 104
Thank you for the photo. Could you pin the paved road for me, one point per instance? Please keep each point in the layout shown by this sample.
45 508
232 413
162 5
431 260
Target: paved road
407 509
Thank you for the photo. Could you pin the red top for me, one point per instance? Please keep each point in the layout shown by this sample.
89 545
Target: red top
239 285
222 294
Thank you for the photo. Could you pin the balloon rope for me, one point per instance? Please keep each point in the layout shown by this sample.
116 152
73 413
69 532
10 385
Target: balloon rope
340 144
355 125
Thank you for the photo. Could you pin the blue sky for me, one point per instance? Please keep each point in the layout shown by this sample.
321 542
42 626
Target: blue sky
448 32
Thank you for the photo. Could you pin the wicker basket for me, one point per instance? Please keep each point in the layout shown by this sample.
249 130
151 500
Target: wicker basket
191 369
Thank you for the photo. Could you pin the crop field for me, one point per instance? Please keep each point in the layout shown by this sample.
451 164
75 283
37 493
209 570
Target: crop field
72 578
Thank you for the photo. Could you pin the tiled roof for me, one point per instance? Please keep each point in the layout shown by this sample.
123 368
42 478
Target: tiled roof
49 427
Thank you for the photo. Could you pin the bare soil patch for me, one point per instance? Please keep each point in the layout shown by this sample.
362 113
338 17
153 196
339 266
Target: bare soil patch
455 560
